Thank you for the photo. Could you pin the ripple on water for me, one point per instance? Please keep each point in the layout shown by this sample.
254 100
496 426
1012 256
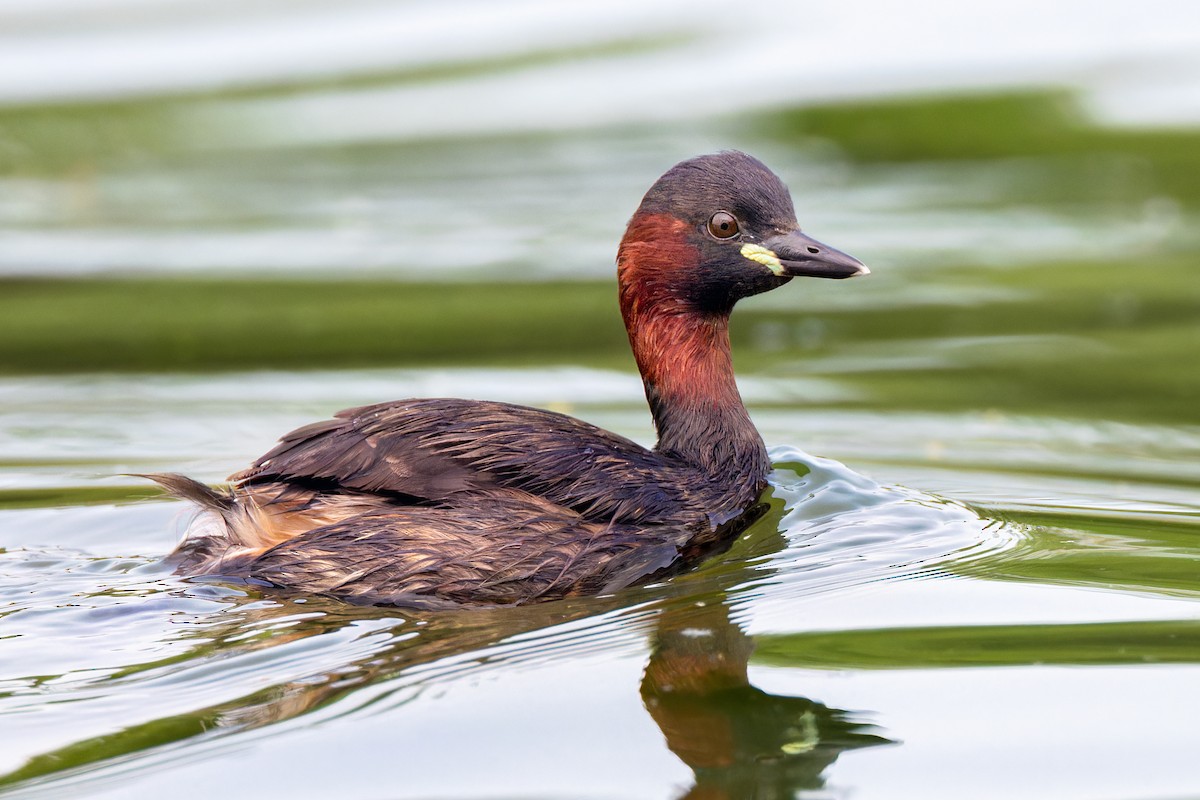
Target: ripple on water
841 529
103 629
121 647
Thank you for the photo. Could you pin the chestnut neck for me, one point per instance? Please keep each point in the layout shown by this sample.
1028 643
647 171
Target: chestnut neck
683 354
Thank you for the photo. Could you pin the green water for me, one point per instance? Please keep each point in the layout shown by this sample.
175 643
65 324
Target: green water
979 576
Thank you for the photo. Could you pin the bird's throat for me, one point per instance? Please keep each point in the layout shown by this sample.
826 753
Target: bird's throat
682 352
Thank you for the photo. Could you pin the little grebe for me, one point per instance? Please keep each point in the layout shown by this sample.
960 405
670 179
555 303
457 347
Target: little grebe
442 503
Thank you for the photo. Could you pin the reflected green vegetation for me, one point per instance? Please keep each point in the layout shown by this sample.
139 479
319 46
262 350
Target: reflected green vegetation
1108 643
183 324
1069 340
70 496
120 744
1096 337
1120 165
44 139
1130 552
1112 336
1085 339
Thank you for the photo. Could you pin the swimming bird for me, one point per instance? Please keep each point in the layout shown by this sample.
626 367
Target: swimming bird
440 503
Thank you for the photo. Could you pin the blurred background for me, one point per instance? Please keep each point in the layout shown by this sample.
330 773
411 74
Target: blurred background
222 219
176 175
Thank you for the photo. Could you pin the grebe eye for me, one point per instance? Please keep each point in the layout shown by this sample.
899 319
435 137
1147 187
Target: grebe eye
723 225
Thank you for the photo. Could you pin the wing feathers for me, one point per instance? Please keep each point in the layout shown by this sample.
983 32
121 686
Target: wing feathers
434 449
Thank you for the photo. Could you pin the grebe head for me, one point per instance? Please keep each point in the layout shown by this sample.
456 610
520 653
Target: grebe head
715 229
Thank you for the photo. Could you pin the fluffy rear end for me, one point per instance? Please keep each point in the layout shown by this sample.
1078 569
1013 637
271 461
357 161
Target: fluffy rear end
228 533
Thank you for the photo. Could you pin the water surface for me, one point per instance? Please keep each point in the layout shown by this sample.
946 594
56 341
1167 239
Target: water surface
979 574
